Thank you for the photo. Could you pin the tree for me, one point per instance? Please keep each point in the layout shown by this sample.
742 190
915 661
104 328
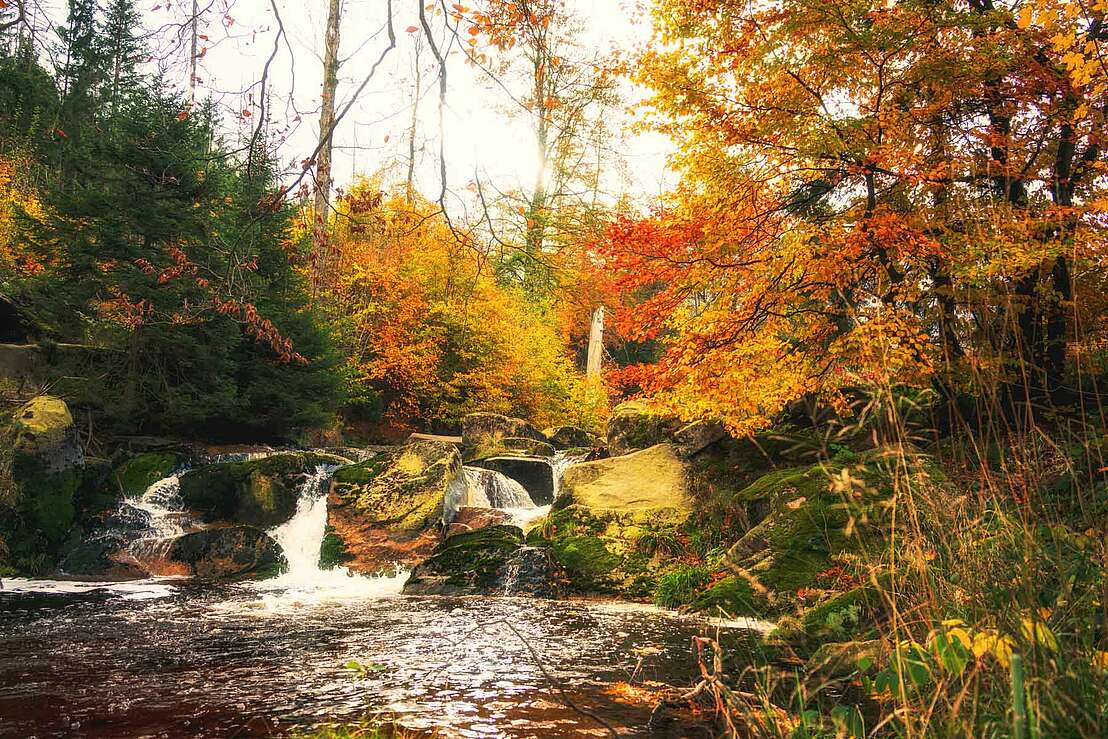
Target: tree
567 95
893 194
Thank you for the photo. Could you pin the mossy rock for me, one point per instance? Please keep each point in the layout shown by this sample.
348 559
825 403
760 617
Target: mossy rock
257 492
649 485
135 474
634 426
564 438
600 551
607 510
45 437
332 552
488 434
387 509
510 446
471 562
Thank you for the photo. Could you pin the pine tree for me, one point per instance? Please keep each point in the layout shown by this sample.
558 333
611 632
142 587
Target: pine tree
121 50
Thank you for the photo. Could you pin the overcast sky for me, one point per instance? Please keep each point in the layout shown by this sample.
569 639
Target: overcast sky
483 133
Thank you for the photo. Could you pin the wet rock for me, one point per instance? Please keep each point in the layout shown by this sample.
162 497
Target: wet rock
226 552
387 510
258 492
532 571
101 558
472 562
471 518
570 437
634 426
694 437
534 474
490 434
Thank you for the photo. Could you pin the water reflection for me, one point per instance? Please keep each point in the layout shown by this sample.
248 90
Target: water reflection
233 660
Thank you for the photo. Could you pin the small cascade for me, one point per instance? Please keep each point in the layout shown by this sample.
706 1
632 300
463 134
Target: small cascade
162 511
302 535
561 462
494 490
480 488
530 571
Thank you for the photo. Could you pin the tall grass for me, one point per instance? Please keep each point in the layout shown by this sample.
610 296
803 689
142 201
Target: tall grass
992 582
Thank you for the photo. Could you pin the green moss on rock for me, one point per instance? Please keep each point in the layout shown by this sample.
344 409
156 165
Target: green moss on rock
467 562
332 552
731 596
139 472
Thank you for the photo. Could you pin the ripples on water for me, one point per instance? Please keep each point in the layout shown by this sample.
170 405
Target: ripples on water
175 659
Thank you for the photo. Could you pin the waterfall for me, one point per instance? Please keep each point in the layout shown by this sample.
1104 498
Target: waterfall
302 535
494 490
301 539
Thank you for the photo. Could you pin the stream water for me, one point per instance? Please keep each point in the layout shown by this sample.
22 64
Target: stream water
169 658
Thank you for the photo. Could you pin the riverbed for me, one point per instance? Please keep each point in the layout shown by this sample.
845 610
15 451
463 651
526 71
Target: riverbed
172 658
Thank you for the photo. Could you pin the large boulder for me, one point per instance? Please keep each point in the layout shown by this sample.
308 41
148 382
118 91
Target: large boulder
257 492
387 510
45 437
616 523
570 437
534 474
224 552
491 434
634 426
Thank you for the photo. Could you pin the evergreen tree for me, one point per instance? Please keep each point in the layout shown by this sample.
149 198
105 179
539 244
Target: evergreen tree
121 50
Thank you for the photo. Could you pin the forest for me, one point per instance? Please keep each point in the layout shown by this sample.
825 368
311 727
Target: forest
540 368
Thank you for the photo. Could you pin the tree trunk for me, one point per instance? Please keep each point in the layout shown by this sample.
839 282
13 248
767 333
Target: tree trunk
321 246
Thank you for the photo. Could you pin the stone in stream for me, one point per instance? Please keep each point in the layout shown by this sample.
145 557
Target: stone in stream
222 553
387 510
491 560
473 518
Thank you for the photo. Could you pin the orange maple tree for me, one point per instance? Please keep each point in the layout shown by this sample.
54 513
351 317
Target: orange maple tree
873 192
